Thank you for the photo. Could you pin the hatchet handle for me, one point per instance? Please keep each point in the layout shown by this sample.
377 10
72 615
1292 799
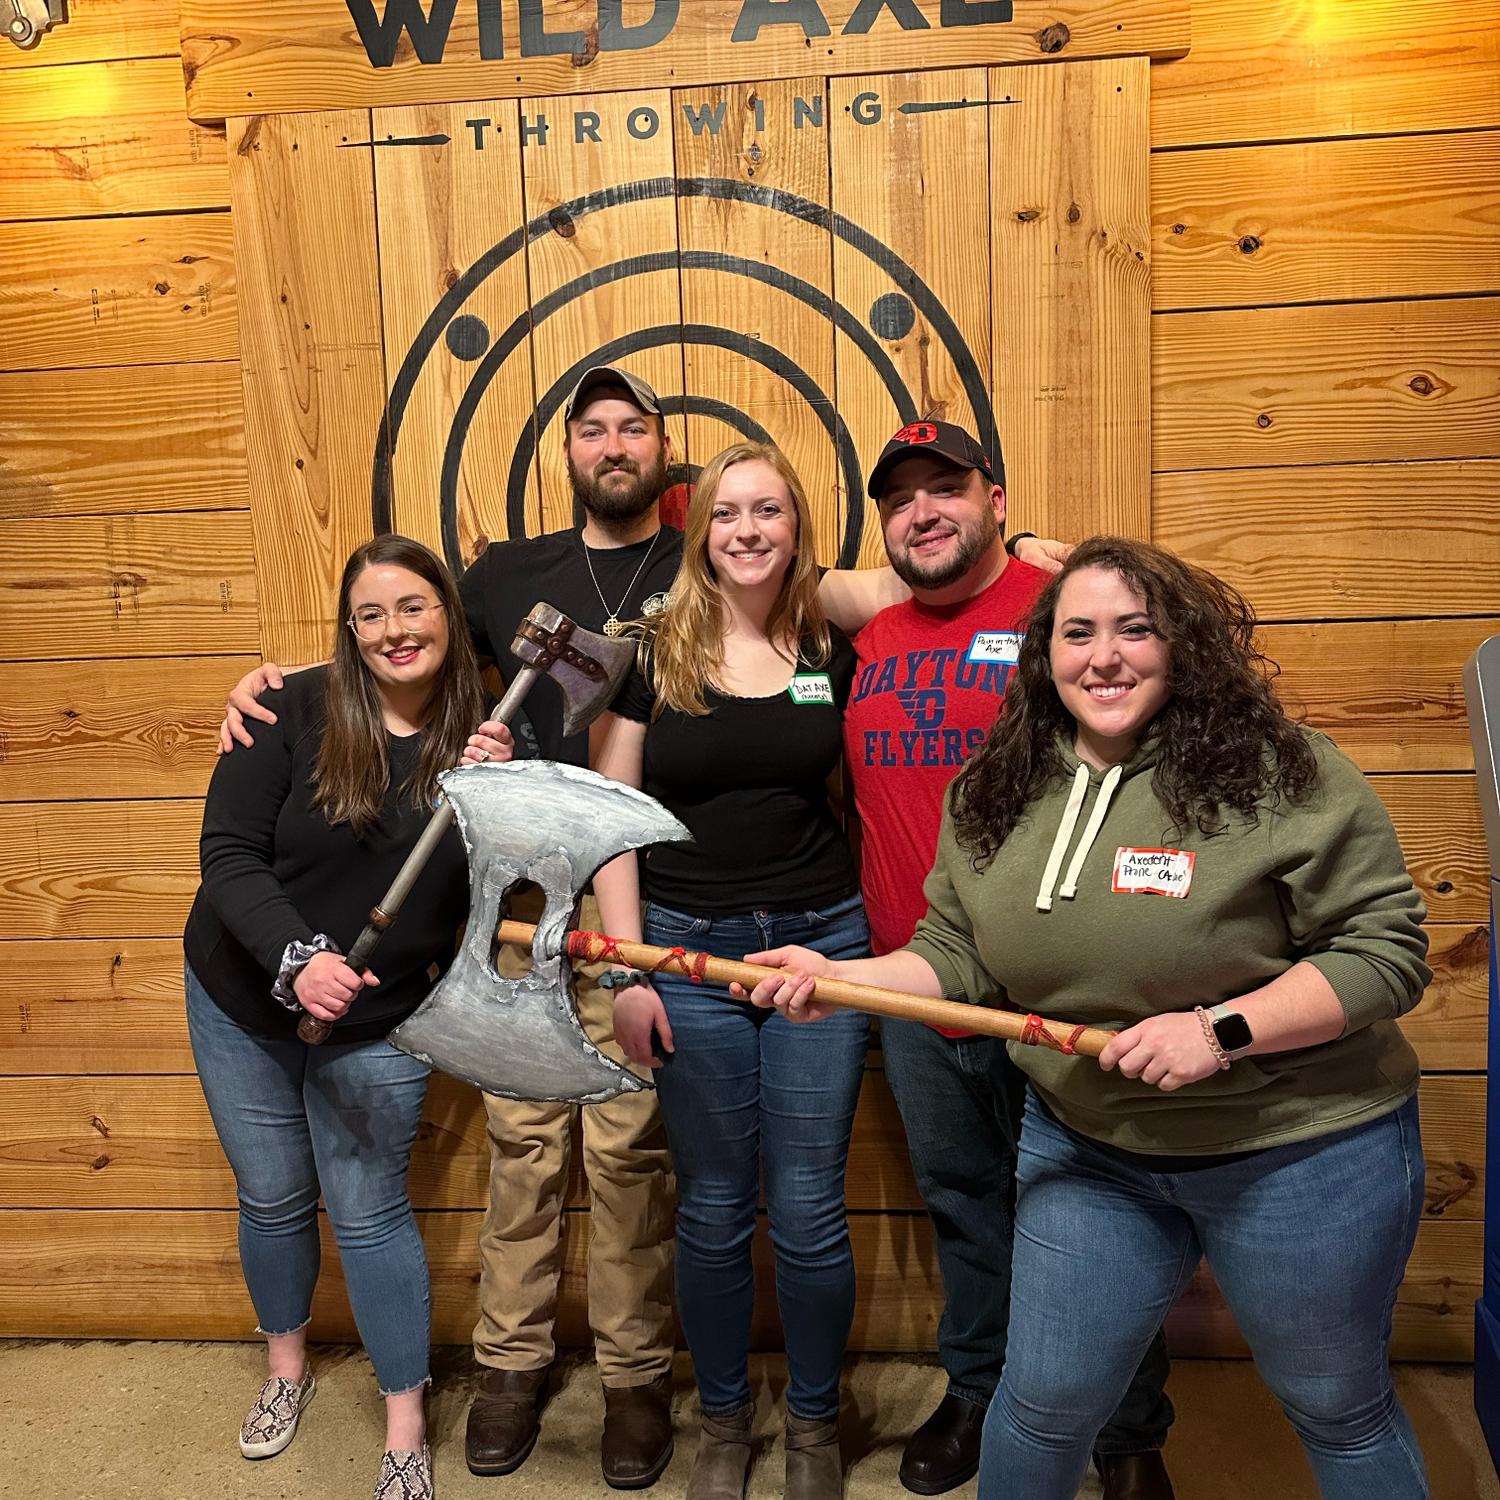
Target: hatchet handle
312 1029
590 947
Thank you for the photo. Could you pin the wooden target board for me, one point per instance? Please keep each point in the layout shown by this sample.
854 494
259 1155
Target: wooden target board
809 261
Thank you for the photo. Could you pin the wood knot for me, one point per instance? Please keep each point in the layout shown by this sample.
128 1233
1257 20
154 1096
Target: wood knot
1249 244
1444 887
562 222
99 1163
588 49
1179 229
1262 420
1053 38
1028 215
162 288
1074 213
100 1126
1422 385
450 279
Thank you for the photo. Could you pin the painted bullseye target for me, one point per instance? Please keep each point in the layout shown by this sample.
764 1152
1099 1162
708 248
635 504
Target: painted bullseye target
484 350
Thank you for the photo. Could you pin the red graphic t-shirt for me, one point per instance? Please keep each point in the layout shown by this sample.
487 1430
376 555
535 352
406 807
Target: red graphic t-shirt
927 687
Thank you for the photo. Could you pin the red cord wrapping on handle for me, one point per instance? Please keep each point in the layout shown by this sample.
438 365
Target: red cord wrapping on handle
597 948
1034 1033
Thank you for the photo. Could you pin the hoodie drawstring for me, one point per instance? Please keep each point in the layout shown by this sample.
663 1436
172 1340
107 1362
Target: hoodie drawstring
1091 831
1064 836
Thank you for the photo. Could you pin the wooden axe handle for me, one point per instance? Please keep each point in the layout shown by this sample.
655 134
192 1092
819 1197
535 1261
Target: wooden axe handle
588 947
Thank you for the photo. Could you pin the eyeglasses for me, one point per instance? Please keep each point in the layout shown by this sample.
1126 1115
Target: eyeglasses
370 624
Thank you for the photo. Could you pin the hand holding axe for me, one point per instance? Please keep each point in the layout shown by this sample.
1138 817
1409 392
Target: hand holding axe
1010 1026
587 667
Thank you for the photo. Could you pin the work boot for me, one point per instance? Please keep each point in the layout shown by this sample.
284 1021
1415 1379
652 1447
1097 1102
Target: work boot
637 1442
1134 1476
722 1463
814 1467
504 1419
943 1452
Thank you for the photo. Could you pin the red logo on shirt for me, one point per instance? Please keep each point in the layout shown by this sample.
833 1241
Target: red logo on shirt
917 432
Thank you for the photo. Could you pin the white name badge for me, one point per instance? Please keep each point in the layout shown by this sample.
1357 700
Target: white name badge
1153 872
996 645
811 687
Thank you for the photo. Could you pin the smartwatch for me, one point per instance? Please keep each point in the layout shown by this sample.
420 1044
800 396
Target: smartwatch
1231 1029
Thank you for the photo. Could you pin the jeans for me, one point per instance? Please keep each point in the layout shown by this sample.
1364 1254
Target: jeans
1308 1243
746 1091
292 1118
961 1100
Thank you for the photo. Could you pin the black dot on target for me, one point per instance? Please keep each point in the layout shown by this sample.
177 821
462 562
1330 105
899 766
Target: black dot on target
892 316
468 337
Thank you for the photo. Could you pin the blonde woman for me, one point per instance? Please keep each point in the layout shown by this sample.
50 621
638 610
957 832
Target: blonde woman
732 720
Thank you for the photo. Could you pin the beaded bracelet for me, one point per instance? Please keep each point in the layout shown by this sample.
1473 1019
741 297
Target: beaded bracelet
1207 1022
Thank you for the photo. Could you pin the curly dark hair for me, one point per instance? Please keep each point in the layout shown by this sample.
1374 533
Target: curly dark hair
1225 742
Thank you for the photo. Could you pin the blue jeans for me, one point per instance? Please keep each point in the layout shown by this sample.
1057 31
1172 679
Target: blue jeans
291 1118
748 1091
961 1100
1308 1243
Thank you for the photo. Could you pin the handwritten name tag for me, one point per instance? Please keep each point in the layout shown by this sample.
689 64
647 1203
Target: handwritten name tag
996 645
811 688
1153 872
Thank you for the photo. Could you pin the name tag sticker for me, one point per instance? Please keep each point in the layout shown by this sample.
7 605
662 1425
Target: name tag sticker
811 688
996 645
1153 872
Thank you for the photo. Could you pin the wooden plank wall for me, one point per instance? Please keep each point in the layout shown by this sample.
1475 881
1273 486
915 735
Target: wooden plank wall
1321 241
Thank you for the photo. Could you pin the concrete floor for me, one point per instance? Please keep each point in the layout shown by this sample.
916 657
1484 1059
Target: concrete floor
111 1421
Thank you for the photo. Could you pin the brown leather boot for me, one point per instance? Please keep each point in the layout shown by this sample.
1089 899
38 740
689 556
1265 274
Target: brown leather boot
814 1466
722 1464
637 1442
504 1419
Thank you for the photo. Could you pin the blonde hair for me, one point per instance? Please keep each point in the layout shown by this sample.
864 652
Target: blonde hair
682 648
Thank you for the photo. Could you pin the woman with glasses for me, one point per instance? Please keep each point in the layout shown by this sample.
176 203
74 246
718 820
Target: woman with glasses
302 833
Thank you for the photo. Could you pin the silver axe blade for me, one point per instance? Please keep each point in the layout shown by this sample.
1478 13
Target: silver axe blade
556 825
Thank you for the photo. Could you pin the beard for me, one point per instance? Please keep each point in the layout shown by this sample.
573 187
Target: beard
615 501
975 538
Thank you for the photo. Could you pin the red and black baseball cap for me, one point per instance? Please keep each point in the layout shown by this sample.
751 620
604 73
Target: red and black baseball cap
937 439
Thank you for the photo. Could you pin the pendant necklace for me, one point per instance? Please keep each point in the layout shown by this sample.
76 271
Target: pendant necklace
613 625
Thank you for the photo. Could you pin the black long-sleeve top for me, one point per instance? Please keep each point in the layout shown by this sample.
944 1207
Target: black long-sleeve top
275 870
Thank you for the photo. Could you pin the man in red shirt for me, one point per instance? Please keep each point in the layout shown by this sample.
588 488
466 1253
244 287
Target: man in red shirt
930 676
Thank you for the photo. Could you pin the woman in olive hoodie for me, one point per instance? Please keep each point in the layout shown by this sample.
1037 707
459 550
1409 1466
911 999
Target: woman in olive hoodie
1147 843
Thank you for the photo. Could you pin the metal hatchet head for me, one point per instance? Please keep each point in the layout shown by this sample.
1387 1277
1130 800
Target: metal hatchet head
534 820
586 666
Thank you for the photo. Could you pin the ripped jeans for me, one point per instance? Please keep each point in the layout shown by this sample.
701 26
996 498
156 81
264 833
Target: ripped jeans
292 1119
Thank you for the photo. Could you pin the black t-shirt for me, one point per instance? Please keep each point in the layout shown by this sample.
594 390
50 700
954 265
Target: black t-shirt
508 578
748 780
274 870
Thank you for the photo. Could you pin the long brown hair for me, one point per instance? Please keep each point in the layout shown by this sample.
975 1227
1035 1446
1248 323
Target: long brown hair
683 646
353 771
1223 740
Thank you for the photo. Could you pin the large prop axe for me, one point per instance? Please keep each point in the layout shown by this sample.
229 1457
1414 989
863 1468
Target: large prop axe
588 669
554 825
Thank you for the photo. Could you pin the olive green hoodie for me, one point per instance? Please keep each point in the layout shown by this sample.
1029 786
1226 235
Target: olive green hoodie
1044 929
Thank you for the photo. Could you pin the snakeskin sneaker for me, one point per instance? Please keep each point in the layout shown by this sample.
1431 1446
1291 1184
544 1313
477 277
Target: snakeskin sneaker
272 1422
405 1476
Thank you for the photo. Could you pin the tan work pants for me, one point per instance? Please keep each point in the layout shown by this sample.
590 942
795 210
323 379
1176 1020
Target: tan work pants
631 1225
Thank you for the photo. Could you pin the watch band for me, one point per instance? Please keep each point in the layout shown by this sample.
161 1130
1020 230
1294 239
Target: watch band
1219 1013
1013 541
